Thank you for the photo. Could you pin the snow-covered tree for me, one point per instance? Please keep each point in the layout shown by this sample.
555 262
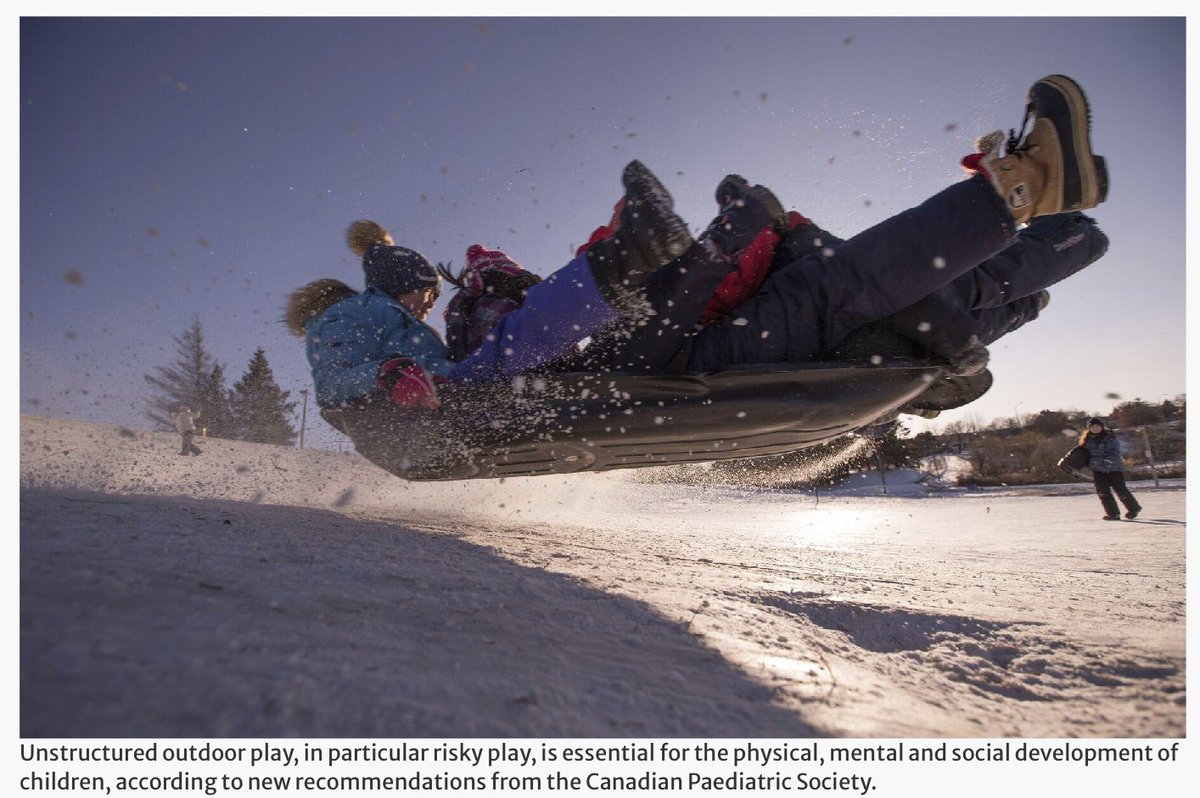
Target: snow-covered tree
260 407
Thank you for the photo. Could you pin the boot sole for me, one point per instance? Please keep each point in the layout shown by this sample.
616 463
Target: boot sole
642 184
1085 175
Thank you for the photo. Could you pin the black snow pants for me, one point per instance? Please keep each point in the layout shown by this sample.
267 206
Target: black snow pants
1109 482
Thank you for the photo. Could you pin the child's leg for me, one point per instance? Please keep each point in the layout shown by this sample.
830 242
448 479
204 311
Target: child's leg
588 293
811 304
992 324
1050 249
676 295
1103 482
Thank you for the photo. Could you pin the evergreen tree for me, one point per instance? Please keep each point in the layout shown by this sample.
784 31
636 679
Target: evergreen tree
260 408
183 381
216 415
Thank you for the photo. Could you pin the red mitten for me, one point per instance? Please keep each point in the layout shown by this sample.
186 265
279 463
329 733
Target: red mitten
407 384
601 233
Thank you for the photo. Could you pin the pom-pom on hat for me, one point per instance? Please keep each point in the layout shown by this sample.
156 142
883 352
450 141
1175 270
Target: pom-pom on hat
364 234
398 270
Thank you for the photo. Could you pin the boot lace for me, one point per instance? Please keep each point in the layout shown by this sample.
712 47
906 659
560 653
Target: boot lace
1017 141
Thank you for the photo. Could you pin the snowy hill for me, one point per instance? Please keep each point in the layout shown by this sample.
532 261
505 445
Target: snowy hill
266 591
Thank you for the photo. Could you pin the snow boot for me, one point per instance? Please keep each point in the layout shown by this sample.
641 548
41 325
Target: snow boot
970 360
639 181
745 211
1132 514
648 236
1112 518
1050 169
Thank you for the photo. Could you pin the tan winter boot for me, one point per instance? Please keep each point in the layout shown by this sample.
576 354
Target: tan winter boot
1052 169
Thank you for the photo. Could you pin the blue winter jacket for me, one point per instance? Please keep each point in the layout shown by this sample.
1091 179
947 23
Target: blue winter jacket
352 338
348 342
1105 452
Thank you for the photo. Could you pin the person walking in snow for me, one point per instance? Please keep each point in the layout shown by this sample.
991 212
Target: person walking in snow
1108 472
185 425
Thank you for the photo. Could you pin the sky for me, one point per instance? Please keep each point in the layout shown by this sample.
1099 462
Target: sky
172 167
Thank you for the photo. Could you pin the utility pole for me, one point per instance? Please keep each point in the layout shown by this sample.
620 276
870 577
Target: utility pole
303 415
1150 455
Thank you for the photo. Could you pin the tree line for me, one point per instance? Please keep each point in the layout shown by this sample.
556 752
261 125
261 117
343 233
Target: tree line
256 409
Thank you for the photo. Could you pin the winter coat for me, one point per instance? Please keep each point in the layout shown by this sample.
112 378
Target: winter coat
349 341
185 422
1104 451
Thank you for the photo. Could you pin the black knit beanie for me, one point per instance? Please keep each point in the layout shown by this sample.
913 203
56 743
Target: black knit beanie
1092 421
398 270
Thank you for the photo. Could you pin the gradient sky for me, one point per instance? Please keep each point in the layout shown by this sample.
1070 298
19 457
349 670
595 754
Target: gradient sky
172 167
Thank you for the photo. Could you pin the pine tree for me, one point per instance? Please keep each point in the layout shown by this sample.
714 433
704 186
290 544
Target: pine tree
216 414
182 382
260 408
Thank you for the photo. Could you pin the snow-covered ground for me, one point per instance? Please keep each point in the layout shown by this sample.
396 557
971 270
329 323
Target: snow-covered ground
262 591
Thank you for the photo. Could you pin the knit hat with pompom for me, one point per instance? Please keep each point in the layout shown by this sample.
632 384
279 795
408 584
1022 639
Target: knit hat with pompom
386 267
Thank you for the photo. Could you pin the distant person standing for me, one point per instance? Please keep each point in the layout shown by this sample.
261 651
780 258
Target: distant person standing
1108 472
185 424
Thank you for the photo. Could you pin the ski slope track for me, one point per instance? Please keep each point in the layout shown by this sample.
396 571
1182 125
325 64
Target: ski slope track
262 591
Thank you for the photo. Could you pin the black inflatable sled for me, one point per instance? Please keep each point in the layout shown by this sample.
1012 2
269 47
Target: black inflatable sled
567 423
1075 463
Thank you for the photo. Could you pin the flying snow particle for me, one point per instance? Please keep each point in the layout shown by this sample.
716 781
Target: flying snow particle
924 327
939 262
740 321
876 360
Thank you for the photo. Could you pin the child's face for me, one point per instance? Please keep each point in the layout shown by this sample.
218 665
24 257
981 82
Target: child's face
420 302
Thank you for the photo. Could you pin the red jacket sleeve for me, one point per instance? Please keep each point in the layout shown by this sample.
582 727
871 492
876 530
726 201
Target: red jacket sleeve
743 282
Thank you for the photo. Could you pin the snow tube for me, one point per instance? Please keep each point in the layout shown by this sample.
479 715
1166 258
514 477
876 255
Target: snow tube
1075 463
572 422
